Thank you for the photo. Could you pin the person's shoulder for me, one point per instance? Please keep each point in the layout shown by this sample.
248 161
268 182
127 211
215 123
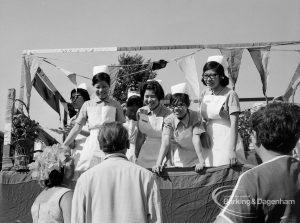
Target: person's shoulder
145 172
229 91
113 101
165 110
170 118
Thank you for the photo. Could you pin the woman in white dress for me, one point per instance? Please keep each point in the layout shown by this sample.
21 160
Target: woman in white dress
184 126
100 109
79 95
220 110
150 123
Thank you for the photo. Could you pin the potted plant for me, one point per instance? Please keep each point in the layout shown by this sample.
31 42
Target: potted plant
24 132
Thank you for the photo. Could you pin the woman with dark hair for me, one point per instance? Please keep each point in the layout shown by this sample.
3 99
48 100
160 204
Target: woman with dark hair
220 110
133 103
97 111
79 95
54 172
184 126
150 123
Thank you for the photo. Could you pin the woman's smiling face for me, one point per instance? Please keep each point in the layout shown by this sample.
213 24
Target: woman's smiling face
102 89
151 99
211 78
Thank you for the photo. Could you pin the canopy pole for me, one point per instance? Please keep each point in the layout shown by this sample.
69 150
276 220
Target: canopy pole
167 47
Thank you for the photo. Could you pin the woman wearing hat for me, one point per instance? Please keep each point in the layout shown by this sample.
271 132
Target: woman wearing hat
100 109
150 123
79 95
220 110
184 126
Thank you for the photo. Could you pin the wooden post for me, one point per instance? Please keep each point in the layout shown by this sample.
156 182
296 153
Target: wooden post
6 160
22 83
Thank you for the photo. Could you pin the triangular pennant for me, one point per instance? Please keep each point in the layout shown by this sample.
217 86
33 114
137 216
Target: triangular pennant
70 75
260 57
187 65
29 67
294 83
234 57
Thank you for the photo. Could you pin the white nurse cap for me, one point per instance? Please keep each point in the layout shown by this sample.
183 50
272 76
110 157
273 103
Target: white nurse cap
157 80
181 88
221 60
132 93
82 86
101 69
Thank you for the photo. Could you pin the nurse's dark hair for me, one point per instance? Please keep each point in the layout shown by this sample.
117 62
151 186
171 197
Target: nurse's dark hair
219 69
277 126
84 93
101 77
153 86
113 137
134 100
55 178
180 98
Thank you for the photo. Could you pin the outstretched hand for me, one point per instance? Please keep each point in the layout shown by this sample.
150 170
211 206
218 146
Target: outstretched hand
157 169
199 167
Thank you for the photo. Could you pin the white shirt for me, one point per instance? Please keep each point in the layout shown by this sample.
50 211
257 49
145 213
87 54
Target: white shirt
115 191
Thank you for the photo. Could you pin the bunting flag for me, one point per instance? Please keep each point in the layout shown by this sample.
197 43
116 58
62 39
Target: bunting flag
234 57
29 67
52 98
188 66
113 72
260 57
294 83
70 75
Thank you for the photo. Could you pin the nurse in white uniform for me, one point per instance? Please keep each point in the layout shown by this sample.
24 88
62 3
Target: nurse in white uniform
100 109
220 110
184 126
79 95
150 123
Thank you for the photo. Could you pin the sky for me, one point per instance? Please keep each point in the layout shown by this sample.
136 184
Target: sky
41 24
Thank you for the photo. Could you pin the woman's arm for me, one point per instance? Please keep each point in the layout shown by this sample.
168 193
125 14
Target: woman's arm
164 149
198 148
140 139
72 135
66 206
233 130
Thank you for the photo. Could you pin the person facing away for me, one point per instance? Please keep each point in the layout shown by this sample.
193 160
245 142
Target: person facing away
220 110
54 172
269 192
100 109
184 125
150 124
116 190
133 103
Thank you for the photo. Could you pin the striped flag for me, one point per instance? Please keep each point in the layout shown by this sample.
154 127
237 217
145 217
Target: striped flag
260 57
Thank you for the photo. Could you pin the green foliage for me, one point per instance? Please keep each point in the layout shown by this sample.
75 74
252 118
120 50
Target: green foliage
24 128
244 128
24 132
125 80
